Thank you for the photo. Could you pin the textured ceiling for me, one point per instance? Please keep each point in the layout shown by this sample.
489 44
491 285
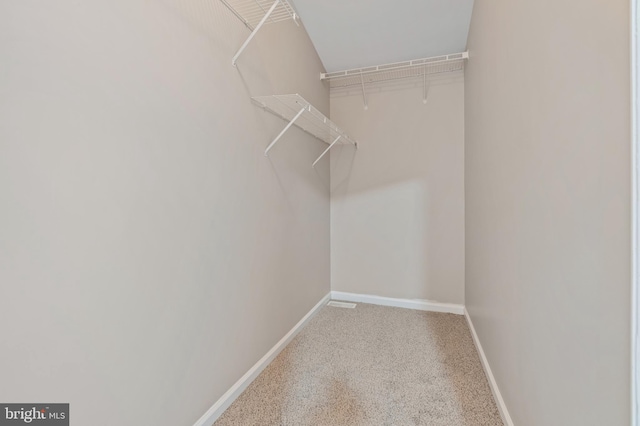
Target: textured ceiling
357 33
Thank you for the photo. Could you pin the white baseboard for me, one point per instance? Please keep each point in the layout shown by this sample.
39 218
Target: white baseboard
497 396
234 392
421 305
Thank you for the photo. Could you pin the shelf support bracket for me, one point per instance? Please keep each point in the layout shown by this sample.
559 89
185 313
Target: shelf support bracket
364 93
255 30
283 131
326 150
425 89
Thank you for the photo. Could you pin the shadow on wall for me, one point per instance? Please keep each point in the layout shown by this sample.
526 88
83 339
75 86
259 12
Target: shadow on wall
342 158
392 240
207 18
400 138
397 210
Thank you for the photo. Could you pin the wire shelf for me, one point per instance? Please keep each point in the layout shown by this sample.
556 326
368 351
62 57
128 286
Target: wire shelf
304 115
251 12
397 70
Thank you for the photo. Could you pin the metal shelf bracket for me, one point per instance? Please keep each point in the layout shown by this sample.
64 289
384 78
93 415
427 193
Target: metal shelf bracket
291 123
296 110
256 13
325 151
254 32
364 93
425 83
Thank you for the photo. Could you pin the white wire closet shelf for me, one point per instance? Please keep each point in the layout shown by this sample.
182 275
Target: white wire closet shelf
255 13
414 68
296 110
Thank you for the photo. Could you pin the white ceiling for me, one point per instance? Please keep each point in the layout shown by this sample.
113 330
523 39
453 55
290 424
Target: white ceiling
357 33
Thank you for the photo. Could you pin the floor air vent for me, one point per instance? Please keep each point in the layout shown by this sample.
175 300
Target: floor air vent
341 304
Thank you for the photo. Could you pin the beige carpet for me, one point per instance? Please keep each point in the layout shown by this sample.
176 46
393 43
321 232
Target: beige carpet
372 365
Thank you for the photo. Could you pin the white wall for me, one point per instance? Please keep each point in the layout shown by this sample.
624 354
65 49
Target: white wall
397 204
149 253
547 174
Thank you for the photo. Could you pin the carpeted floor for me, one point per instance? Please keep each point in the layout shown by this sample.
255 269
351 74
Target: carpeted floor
372 365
